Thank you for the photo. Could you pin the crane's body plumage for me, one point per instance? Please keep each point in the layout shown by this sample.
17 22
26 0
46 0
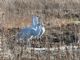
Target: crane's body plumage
36 30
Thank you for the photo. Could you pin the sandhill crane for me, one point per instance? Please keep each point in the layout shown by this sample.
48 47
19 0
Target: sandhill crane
36 30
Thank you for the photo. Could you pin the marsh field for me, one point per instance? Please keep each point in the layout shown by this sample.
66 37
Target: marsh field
61 40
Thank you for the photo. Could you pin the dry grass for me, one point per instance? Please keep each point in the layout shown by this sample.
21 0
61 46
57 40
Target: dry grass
56 14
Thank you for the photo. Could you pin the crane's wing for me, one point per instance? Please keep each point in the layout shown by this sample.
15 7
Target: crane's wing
25 33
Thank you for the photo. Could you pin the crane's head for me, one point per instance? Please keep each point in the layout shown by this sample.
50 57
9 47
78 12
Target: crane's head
36 21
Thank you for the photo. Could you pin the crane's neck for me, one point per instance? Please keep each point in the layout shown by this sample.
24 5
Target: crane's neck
35 20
